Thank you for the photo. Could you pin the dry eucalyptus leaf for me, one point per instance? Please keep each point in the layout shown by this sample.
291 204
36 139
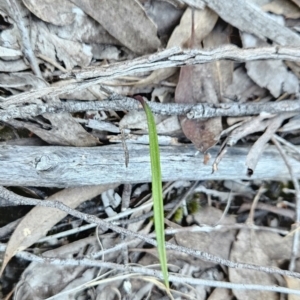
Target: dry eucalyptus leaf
248 249
204 83
270 74
64 131
85 29
283 7
164 14
41 219
40 281
220 294
168 126
71 23
57 12
13 66
7 53
292 283
243 88
46 42
138 120
126 21
277 247
217 242
21 81
205 21
222 70
71 53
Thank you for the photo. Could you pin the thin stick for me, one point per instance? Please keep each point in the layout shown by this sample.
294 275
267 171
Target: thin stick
250 219
295 248
10 196
142 270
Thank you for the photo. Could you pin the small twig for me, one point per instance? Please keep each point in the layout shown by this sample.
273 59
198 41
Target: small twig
287 143
259 146
127 188
296 240
250 219
126 153
150 272
52 62
27 49
10 196
226 208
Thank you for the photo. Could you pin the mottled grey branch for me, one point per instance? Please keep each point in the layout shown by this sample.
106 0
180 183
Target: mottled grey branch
193 111
73 166
10 196
173 57
146 271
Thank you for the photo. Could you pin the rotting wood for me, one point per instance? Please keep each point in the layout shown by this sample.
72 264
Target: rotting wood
70 166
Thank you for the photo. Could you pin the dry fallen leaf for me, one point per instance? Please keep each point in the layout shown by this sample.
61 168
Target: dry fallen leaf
220 294
41 219
204 83
269 74
216 242
283 7
205 21
65 130
21 81
135 31
137 120
47 10
243 88
40 282
248 249
292 283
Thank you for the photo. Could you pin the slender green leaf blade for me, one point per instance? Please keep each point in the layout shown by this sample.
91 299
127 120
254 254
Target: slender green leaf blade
157 195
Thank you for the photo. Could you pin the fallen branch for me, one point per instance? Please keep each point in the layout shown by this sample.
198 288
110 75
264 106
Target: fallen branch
136 271
173 57
70 166
20 200
193 111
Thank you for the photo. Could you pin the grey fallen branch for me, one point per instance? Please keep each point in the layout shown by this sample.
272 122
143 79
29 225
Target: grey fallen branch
193 111
75 166
173 57
146 271
176 57
20 200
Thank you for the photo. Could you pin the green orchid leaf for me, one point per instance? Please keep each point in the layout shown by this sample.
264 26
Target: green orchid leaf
157 195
